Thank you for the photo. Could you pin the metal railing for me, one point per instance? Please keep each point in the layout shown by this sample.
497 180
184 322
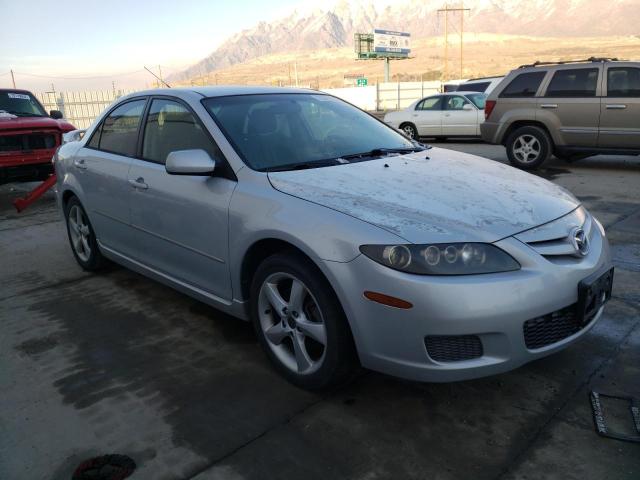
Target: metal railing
80 108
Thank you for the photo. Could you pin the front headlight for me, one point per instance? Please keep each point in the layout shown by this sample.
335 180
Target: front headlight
442 258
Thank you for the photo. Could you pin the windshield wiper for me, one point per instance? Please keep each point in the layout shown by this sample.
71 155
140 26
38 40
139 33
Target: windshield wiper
306 165
25 114
379 152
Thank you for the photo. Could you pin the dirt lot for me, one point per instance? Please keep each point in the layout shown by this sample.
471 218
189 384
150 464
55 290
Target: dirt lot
116 363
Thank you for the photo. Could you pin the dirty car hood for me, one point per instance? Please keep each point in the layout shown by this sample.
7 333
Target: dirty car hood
433 196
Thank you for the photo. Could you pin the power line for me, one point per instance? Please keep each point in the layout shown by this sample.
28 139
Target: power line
122 74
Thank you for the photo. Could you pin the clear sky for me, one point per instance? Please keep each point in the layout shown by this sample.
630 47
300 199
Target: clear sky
72 38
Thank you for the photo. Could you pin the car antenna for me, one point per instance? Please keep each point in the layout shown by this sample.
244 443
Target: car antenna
166 84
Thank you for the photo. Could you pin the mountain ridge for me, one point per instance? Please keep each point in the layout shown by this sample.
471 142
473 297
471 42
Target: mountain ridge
333 25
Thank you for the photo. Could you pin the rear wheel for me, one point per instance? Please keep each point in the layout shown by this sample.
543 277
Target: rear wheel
528 147
300 323
410 131
82 237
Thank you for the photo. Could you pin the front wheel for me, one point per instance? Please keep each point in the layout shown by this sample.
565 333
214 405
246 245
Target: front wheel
300 323
82 237
528 147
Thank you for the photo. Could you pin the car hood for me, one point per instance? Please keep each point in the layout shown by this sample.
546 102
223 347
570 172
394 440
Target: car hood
433 196
34 123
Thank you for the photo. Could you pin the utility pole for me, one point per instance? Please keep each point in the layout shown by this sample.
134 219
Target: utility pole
295 66
13 80
461 10
160 73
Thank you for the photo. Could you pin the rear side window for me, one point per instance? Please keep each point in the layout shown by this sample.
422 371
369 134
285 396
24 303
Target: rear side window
623 82
171 127
524 85
473 87
579 82
119 133
431 103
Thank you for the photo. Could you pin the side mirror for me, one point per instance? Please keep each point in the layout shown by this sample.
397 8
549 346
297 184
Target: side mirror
190 162
467 106
55 114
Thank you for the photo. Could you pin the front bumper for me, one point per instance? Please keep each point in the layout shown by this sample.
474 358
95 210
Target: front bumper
493 307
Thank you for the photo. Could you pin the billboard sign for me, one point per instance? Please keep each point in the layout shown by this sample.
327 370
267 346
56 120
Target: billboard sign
387 41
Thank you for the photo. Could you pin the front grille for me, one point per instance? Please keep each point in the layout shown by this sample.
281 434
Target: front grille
542 331
33 141
453 348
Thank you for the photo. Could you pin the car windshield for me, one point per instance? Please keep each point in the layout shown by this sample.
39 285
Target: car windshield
286 131
478 99
22 104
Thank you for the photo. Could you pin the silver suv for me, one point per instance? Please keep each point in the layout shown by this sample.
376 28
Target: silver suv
570 109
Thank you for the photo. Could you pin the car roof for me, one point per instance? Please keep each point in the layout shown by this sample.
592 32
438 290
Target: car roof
223 91
481 79
16 90
465 92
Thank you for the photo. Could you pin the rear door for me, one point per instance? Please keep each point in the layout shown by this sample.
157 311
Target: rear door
460 117
620 111
571 105
102 167
427 116
181 221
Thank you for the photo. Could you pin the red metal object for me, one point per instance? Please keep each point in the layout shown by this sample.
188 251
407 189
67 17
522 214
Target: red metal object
35 194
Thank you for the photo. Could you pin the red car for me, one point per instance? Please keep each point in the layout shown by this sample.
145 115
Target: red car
28 136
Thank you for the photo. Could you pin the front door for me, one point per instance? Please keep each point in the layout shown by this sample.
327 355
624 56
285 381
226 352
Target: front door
103 168
620 110
571 104
459 118
181 221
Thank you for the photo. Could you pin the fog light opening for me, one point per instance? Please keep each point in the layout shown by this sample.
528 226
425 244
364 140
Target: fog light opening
387 300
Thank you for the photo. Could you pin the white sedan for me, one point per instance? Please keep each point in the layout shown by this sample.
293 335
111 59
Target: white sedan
454 114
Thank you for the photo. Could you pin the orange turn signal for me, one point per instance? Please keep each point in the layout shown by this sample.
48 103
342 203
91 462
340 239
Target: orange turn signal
387 300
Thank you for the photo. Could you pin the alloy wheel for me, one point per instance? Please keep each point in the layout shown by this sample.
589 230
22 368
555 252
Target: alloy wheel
527 148
292 323
79 232
408 130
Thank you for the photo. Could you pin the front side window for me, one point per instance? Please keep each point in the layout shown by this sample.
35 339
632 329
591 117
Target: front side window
455 102
431 103
21 104
171 127
279 131
623 82
524 85
119 132
579 82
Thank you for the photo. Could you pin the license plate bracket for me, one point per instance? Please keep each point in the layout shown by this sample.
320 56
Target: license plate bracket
593 292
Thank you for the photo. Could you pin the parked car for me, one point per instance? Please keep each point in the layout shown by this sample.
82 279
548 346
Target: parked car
343 242
440 116
28 136
482 85
570 109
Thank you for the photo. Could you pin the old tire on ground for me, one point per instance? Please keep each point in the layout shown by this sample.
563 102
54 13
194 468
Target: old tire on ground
528 147
300 323
82 237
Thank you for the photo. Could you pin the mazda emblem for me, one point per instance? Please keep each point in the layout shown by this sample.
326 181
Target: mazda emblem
580 241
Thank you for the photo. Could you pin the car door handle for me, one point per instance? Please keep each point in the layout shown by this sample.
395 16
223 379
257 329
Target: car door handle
80 163
138 183
414 115
549 105
616 106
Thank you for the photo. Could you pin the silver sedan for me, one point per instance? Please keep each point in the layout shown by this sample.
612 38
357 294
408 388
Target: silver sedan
345 243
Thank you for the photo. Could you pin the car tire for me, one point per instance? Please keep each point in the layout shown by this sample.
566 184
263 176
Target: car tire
528 147
410 130
291 330
82 238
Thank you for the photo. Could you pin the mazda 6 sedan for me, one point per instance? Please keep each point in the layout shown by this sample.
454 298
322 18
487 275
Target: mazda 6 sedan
345 243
